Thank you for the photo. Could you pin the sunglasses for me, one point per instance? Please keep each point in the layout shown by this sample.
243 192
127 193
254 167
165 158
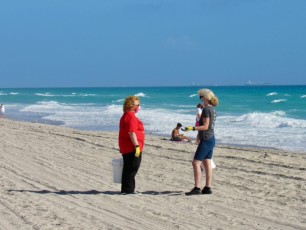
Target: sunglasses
201 97
137 105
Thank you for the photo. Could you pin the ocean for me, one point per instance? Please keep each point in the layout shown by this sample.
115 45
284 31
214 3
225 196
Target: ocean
255 116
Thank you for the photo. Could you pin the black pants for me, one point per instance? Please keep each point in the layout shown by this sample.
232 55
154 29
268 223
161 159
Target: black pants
131 165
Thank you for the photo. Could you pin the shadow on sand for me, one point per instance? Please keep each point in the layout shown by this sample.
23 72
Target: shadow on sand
95 192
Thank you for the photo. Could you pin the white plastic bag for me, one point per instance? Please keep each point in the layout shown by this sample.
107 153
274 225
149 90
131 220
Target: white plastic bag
117 163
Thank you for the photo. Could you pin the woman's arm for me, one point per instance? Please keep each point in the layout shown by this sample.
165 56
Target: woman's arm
133 138
205 124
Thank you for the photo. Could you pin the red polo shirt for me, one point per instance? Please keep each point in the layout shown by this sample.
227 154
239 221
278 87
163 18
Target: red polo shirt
130 123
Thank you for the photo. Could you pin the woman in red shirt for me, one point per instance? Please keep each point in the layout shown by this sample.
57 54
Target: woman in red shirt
131 142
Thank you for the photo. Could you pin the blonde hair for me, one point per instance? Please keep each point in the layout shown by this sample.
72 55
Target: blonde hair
129 103
209 96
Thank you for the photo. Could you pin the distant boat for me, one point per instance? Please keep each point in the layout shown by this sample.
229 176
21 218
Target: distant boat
250 83
195 83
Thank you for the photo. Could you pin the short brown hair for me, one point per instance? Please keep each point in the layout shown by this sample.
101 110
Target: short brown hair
129 103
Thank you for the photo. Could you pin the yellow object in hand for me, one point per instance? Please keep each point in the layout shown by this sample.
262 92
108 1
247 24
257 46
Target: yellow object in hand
189 128
137 151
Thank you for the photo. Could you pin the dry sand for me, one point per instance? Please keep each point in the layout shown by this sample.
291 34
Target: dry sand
53 177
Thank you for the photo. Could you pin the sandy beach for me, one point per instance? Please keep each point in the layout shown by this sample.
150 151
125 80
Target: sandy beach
53 177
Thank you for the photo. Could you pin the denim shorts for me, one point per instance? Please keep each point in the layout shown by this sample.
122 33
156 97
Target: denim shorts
205 150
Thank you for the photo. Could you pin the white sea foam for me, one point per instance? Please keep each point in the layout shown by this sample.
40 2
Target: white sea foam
45 94
193 95
272 94
46 107
258 129
2 94
87 94
278 101
162 121
140 95
157 121
270 120
14 93
303 96
65 95
262 129
279 113
180 106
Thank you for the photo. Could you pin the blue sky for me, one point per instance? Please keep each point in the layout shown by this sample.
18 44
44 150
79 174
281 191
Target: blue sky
68 43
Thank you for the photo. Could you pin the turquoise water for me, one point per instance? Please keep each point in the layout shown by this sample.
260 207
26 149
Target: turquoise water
263 116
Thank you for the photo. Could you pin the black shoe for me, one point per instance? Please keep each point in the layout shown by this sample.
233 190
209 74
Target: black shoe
131 193
206 190
194 191
136 193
